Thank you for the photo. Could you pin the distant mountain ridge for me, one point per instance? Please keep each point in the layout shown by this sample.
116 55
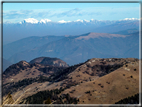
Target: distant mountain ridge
76 49
127 32
35 21
27 29
27 43
98 35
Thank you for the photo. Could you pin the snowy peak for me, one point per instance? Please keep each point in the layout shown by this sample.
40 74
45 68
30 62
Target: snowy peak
35 21
79 20
30 20
131 19
45 20
63 21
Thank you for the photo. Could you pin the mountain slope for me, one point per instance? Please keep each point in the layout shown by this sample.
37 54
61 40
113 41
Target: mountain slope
118 26
23 69
78 49
127 32
27 43
23 74
96 81
110 88
49 61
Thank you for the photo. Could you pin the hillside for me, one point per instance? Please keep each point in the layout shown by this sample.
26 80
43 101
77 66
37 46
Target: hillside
110 88
49 61
77 49
27 43
96 81
23 69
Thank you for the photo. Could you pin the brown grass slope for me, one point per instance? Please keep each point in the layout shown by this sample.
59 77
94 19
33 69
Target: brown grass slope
110 88
97 67
23 70
97 81
96 35
49 61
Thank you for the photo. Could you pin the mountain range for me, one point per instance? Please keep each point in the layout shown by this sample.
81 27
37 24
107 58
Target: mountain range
69 40
15 31
74 49
78 62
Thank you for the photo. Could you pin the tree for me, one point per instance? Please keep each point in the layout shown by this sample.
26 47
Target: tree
48 101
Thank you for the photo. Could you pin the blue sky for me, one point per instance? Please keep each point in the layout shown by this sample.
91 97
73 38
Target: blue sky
16 12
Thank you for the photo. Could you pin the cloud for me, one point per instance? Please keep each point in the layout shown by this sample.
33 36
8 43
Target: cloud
76 12
41 13
47 13
25 14
99 13
16 14
67 13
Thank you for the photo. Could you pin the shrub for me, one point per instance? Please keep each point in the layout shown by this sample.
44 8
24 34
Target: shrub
87 92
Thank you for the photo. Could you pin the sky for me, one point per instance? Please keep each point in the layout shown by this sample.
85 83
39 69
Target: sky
17 12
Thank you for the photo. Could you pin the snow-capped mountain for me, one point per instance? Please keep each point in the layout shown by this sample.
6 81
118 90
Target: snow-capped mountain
30 20
92 21
63 21
33 27
45 20
131 19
